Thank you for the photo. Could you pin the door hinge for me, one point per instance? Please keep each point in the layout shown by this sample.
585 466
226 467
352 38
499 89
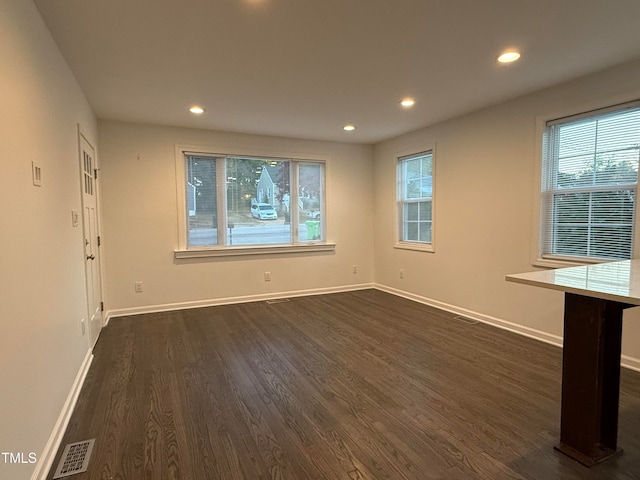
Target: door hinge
98 240
95 173
102 306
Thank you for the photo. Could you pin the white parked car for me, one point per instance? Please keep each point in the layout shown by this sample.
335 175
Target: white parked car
263 211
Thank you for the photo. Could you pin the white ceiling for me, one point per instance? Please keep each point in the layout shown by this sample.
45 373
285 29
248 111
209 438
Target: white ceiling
304 68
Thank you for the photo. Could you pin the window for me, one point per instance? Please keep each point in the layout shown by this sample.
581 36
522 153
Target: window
589 185
415 200
247 201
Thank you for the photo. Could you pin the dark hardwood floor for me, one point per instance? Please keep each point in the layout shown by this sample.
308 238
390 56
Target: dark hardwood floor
358 385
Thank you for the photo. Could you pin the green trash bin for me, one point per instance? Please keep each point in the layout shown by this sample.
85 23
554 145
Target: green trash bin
313 229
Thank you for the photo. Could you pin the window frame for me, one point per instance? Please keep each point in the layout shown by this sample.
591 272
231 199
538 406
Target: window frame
400 243
183 251
545 208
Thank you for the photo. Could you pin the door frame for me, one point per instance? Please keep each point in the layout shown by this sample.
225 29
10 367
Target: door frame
98 226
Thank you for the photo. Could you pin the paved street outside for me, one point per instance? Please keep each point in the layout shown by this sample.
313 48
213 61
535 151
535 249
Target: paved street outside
253 234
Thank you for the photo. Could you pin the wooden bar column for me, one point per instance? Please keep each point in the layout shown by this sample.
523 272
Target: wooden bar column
590 378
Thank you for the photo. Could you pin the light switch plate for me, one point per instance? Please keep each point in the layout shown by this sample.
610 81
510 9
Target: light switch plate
75 218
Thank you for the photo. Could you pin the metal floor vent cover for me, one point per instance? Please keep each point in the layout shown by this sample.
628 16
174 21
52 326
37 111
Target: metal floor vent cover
75 458
467 320
277 300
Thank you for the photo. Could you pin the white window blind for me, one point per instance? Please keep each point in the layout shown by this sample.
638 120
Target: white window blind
589 184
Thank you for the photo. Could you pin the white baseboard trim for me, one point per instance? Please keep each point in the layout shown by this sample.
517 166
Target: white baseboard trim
545 337
631 363
119 312
556 340
51 448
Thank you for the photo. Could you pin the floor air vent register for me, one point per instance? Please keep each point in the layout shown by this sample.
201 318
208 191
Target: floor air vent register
75 458
277 300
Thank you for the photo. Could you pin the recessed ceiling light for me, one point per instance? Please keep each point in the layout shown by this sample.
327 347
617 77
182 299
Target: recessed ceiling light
407 102
509 56
349 128
196 109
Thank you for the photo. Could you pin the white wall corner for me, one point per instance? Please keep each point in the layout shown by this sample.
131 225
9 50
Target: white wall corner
51 448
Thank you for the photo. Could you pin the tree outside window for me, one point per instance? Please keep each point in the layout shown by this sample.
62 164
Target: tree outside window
235 200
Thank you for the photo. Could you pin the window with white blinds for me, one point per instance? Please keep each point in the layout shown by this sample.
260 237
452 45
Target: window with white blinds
589 184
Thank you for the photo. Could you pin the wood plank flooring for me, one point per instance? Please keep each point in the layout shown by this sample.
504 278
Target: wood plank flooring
358 385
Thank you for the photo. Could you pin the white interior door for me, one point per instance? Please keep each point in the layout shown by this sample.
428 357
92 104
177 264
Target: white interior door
90 224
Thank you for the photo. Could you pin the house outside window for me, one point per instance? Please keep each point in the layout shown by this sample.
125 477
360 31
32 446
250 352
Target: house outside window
249 201
415 193
589 185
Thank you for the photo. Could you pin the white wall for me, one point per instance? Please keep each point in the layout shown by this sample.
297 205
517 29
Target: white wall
140 220
42 286
486 166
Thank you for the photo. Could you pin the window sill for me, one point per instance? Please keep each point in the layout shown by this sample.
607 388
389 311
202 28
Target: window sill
253 250
419 247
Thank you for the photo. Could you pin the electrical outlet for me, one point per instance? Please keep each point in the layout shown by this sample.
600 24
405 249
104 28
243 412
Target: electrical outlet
138 286
402 273
267 276
354 269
